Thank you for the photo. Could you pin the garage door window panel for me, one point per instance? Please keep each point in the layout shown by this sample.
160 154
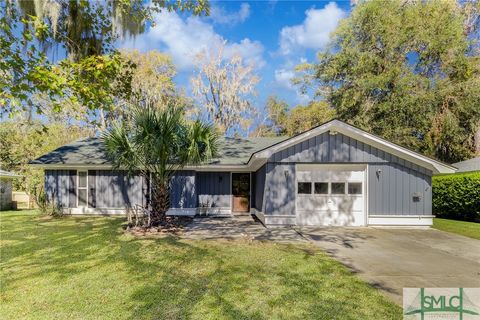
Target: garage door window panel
338 187
321 188
355 188
304 188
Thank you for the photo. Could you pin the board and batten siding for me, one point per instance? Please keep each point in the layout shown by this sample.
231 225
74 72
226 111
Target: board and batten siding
116 189
397 190
183 192
213 189
280 189
258 188
107 189
393 183
58 188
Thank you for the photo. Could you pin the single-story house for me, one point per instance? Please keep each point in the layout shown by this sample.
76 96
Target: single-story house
468 165
333 174
6 178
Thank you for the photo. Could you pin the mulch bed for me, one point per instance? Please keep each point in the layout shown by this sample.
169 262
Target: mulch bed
169 225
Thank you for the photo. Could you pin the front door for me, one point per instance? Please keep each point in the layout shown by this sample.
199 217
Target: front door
241 192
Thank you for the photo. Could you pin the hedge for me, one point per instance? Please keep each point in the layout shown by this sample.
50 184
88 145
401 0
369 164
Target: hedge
457 196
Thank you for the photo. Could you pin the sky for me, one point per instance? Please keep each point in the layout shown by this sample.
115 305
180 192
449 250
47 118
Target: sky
274 35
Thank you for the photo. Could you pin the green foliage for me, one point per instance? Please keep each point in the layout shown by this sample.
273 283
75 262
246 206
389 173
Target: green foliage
88 31
23 142
158 142
302 118
85 28
95 82
152 77
47 207
457 196
407 72
282 121
24 69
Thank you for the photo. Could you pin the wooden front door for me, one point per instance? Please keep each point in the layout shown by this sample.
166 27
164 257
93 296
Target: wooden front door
241 192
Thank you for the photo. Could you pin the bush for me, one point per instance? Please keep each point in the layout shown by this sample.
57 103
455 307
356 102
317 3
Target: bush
47 207
457 196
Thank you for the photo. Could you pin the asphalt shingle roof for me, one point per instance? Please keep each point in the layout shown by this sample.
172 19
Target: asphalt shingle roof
468 165
91 151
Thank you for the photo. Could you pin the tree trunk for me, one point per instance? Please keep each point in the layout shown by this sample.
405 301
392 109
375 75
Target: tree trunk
103 123
160 201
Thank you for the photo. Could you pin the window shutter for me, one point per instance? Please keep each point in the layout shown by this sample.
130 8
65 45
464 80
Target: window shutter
72 189
92 192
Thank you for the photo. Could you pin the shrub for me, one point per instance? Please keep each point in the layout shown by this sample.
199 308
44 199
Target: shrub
47 207
457 196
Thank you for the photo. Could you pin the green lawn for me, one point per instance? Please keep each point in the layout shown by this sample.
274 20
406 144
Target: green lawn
467 229
87 268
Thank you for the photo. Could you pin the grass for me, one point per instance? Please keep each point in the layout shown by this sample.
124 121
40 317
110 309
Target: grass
464 228
87 268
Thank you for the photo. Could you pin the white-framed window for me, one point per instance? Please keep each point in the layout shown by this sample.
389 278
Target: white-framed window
82 189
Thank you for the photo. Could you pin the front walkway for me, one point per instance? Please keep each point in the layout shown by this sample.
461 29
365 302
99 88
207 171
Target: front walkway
238 227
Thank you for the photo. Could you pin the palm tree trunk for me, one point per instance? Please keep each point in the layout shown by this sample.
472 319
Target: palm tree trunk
160 201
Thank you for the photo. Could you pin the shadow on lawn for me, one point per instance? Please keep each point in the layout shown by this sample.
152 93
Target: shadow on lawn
168 287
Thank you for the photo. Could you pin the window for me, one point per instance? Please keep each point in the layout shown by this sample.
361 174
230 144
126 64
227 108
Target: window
338 187
321 187
82 179
82 189
304 188
354 188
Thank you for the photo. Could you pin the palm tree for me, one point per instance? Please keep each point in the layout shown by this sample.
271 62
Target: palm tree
157 143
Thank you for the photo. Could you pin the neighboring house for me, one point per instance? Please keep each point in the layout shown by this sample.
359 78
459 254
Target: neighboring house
6 189
468 165
333 174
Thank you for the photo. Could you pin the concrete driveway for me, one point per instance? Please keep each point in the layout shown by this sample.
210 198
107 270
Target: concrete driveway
391 259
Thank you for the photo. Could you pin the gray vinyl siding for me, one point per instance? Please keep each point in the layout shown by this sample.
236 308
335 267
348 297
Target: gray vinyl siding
57 186
326 148
116 189
213 189
389 194
280 189
182 190
259 188
392 189
113 189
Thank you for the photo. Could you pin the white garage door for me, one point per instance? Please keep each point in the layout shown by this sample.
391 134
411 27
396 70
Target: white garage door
330 195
